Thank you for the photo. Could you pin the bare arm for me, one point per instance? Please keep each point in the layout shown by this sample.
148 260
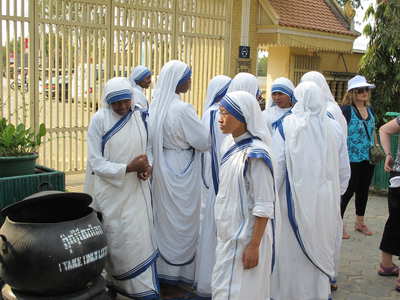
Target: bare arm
385 132
250 254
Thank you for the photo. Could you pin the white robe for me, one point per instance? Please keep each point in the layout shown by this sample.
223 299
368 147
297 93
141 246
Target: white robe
125 203
139 97
272 114
334 109
205 259
295 277
176 192
239 200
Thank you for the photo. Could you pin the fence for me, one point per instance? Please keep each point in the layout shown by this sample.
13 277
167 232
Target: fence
56 56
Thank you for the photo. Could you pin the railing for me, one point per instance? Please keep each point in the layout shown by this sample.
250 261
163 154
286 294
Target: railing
56 55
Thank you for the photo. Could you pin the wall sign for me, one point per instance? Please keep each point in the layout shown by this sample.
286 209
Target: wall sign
244 52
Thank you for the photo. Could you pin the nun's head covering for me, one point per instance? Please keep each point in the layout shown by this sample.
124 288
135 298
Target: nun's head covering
116 89
285 86
172 74
245 82
309 103
245 108
216 90
320 81
138 74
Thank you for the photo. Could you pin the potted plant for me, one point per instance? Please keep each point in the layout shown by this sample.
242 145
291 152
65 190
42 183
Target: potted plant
18 148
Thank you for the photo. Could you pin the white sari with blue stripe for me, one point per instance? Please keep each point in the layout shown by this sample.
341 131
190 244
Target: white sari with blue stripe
123 200
246 190
205 259
308 151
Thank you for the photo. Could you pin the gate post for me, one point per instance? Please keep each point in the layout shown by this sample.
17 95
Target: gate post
33 68
110 45
175 30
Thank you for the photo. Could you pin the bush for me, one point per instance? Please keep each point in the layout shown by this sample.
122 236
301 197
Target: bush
18 140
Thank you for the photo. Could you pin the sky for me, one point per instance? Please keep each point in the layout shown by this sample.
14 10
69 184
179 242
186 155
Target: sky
361 42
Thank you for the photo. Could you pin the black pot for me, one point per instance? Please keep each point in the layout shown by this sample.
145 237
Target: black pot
51 243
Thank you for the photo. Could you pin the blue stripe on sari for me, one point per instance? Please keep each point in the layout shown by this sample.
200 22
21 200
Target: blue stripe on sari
291 213
278 122
139 269
214 155
243 144
221 93
232 108
142 75
185 77
284 90
117 127
118 96
293 223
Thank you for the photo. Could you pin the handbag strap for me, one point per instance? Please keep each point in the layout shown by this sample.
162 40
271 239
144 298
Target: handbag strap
365 125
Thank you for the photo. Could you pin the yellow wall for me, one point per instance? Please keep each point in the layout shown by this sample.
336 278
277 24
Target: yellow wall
334 62
278 65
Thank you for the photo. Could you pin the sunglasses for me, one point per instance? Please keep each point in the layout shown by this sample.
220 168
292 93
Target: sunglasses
362 90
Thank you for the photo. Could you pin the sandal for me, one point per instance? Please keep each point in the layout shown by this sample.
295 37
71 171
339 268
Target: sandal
334 285
362 228
388 271
398 285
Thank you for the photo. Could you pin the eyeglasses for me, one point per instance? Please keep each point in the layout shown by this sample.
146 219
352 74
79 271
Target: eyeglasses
362 90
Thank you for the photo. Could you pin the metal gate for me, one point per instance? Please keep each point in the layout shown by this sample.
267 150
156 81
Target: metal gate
56 56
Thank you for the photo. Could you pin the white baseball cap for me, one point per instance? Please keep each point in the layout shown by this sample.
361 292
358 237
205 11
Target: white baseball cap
357 82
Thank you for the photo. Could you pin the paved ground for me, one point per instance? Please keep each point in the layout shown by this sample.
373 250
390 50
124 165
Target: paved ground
358 278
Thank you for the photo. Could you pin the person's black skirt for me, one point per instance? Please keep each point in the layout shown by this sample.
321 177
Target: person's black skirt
391 235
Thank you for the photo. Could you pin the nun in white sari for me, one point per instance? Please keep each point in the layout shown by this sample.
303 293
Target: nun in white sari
245 204
116 179
274 113
205 259
332 107
140 79
335 112
308 179
245 82
177 137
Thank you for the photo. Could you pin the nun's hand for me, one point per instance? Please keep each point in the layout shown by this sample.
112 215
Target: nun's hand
145 175
139 164
250 256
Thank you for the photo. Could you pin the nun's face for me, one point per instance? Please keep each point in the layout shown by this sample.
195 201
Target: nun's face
121 107
281 100
145 83
229 124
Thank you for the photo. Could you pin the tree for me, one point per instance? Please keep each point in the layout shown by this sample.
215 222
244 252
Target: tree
262 64
381 62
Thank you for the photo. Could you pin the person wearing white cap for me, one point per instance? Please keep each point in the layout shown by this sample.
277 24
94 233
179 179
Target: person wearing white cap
117 178
308 180
140 79
360 136
280 104
177 137
244 208
205 259
390 243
